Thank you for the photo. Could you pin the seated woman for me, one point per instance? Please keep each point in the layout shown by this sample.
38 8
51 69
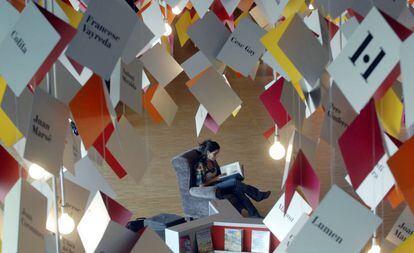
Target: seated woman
207 173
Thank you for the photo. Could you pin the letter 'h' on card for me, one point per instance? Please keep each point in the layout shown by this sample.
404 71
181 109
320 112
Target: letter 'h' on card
369 64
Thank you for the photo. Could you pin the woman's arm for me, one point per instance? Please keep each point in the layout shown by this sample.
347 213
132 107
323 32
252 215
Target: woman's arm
213 180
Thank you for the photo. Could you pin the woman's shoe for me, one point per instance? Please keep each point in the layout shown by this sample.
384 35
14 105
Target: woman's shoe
264 195
256 215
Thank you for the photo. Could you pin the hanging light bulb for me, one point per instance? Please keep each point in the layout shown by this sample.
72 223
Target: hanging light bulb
168 29
277 151
176 10
66 224
375 248
37 173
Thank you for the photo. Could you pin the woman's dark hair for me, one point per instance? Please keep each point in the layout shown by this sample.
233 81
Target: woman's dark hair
208 145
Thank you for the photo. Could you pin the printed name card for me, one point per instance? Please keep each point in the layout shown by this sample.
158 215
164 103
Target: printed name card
76 198
47 132
369 59
340 224
339 114
212 91
8 17
102 227
361 145
25 211
403 228
27 45
243 48
285 243
126 85
279 222
102 35
72 152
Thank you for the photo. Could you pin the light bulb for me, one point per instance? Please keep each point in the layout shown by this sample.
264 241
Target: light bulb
375 249
277 151
37 173
66 224
311 7
176 10
168 29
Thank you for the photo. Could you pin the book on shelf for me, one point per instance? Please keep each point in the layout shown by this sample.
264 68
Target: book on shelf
260 241
185 244
204 242
233 239
232 170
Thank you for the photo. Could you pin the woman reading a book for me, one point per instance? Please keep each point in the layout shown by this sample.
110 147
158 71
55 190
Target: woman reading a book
208 173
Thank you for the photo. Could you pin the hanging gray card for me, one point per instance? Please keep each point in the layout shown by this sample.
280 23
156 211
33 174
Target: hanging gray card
18 109
72 151
196 64
66 85
304 50
243 48
339 114
8 17
141 35
367 60
25 47
212 91
403 227
126 83
47 132
102 35
334 8
161 64
293 104
209 35
25 211
340 224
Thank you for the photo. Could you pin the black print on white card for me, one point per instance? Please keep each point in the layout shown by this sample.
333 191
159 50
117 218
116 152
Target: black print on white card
373 61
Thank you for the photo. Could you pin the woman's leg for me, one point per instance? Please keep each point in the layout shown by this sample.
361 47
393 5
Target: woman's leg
252 191
232 186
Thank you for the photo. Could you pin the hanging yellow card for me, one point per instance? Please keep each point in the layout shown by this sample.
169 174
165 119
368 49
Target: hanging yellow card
390 109
271 40
181 26
406 247
9 134
74 16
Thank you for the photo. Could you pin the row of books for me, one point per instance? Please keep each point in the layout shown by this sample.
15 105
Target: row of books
233 241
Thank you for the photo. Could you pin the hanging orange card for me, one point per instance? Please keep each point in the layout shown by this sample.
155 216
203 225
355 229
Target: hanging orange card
89 110
401 165
146 103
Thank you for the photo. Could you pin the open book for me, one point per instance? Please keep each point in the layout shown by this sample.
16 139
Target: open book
232 170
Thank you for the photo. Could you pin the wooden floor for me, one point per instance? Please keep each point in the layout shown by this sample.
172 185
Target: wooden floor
241 140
